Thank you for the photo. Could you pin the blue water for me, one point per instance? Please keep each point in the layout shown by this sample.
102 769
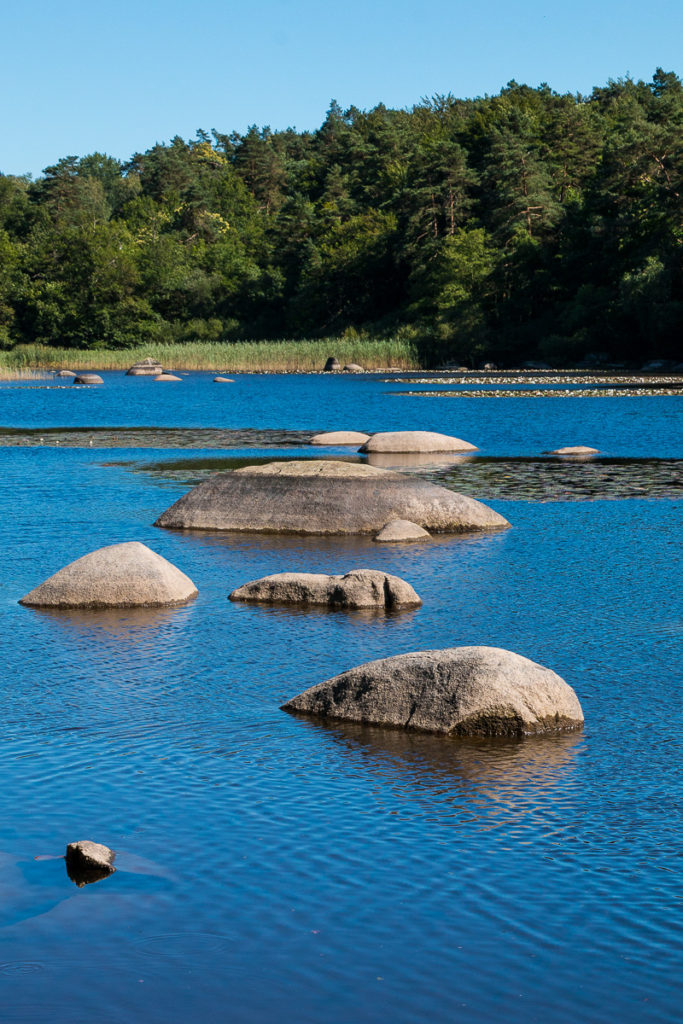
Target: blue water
270 868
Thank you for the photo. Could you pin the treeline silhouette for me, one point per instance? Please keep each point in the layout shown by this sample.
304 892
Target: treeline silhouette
527 225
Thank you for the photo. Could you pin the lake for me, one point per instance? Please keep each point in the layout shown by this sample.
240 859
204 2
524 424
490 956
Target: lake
273 868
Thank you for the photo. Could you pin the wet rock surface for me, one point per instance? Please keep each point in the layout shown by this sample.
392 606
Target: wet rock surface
88 862
464 691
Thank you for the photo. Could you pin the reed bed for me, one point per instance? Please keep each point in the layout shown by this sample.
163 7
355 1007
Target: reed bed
14 373
231 357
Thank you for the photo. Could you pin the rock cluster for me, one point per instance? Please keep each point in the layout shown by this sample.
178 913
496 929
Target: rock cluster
360 588
145 368
463 691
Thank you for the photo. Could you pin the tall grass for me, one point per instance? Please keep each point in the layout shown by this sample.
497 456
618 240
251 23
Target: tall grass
231 357
14 373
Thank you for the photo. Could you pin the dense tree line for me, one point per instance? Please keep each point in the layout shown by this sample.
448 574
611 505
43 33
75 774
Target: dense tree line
523 225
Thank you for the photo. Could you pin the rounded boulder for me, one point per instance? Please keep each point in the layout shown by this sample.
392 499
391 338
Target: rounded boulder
145 368
88 378
416 441
118 576
401 531
359 588
325 498
339 437
460 691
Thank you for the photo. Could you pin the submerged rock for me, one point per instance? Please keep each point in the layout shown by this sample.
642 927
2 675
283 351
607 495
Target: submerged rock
578 449
88 862
332 364
166 376
332 437
416 441
145 368
463 691
223 380
65 373
323 497
401 530
118 576
360 588
88 378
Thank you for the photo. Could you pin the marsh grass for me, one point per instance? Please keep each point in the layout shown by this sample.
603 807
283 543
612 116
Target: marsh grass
230 357
21 373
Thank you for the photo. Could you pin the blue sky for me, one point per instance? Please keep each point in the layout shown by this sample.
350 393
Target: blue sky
78 77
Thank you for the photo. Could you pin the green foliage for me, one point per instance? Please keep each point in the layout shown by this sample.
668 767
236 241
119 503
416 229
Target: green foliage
527 224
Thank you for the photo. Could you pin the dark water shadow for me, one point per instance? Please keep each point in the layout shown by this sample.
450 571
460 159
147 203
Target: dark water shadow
320 611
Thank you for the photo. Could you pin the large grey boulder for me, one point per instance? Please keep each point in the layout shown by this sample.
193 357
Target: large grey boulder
88 378
401 531
118 576
463 691
145 368
360 588
322 497
332 364
416 441
339 437
88 862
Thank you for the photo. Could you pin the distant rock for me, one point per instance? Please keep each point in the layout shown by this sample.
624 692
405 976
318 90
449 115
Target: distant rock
166 376
88 378
360 588
416 441
401 530
145 368
118 576
332 364
223 380
88 862
340 437
489 366
353 368
65 373
462 691
324 497
577 449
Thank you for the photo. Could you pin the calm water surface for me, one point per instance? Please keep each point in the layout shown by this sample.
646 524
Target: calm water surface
272 868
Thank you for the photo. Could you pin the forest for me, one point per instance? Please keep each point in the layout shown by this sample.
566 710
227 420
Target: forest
528 225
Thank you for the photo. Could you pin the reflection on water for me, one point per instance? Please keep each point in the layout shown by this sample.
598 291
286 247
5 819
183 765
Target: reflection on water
414 460
502 767
129 626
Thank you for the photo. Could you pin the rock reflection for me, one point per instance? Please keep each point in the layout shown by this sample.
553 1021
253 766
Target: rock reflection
414 460
501 769
129 626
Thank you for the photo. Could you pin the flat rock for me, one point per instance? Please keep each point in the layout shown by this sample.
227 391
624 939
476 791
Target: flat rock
118 576
65 373
577 449
353 368
88 378
88 862
360 588
416 441
166 376
462 691
354 437
401 530
223 380
324 497
145 368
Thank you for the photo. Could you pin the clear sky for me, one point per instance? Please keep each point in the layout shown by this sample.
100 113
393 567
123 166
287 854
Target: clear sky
79 77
